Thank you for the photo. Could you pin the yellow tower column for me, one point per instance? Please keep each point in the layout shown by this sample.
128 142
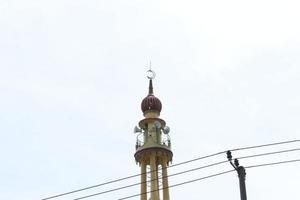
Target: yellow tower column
154 185
143 180
166 195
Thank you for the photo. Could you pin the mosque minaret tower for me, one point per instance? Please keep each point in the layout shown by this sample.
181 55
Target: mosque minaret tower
153 148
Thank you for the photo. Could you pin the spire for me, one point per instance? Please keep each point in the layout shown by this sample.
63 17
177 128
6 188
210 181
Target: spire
150 87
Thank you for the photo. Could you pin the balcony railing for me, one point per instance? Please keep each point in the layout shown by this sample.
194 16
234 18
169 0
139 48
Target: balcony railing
165 142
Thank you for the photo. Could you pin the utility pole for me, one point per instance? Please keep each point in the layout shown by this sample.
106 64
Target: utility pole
241 174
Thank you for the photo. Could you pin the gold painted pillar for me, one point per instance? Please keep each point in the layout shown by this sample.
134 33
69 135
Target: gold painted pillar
154 185
166 195
143 180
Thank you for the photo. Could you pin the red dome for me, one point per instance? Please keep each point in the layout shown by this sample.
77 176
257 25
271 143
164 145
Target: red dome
151 103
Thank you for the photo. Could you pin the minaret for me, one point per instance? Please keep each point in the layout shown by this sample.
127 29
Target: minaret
153 148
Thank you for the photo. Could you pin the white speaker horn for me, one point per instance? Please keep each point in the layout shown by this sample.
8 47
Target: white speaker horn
137 130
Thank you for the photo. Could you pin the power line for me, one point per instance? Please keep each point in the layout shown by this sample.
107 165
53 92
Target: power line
139 183
190 170
181 163
183 183
274 163
265 145
213 175
269 153
128 177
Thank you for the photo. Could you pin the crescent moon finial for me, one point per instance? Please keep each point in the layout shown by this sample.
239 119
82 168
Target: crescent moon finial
150 73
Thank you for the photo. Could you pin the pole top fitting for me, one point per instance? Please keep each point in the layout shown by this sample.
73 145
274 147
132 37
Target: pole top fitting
229 156
236 162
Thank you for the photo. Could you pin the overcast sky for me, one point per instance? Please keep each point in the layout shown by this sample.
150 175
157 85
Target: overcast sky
73 75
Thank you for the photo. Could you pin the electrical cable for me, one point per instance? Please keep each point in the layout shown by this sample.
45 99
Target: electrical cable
274 163
128 177
269 153
266 145
181 163
210 176
179 184
186 171
139 183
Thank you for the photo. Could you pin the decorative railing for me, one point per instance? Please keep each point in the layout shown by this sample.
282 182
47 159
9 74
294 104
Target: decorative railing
165 142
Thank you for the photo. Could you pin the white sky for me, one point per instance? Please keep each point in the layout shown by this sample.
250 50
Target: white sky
72 76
